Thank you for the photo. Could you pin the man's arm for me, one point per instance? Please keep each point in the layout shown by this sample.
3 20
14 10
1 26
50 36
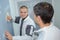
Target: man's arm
29 30
8 35
8 18
16 19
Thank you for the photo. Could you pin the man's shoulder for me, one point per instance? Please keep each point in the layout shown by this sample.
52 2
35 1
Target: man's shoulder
18 17
53 30
53 33
30 19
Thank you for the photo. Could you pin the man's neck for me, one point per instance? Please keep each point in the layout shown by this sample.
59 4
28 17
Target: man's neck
25 17
44 25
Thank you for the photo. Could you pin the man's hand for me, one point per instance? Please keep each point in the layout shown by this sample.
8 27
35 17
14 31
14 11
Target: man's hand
8 35
8 18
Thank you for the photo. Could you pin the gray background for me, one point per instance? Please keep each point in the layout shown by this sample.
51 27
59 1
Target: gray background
56 5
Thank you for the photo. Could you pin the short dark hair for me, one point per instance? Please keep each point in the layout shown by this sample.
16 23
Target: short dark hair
45 11
24 7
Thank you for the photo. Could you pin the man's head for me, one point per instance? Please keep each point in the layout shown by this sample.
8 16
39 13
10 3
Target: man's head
43 13
23 11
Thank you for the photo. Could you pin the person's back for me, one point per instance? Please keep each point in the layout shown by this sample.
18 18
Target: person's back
43 17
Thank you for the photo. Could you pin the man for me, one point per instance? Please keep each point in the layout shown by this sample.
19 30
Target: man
27 25
43 17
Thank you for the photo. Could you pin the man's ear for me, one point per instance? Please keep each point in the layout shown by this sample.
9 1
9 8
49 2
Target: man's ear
39 18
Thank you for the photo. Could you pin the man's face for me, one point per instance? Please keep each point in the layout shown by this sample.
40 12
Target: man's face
23 12
35 19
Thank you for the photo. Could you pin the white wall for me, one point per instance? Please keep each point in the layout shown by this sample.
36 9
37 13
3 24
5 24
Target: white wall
56 5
